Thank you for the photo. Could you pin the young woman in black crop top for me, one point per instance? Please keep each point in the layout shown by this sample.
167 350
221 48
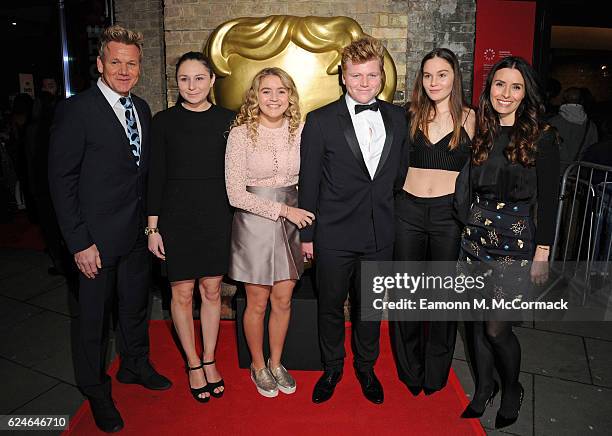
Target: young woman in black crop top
515 166
441 125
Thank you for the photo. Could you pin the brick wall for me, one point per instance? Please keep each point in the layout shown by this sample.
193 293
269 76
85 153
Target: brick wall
442 23
188 23
146 16
408 28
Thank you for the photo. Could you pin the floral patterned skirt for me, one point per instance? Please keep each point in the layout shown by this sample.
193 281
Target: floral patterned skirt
498 242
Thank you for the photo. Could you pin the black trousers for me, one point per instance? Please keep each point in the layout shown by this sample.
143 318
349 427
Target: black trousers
126 277
337 272
424 230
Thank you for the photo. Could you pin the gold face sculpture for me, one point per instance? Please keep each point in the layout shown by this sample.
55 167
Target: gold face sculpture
308 48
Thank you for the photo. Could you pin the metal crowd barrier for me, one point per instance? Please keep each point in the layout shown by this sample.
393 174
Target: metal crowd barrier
581 252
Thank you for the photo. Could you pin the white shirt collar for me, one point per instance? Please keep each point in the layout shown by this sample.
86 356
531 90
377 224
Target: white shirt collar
111 96
350 103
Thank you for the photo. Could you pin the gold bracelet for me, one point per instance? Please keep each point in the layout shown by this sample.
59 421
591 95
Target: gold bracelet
543 247
150 230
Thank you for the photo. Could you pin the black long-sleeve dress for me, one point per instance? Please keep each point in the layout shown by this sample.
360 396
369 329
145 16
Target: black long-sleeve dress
187 190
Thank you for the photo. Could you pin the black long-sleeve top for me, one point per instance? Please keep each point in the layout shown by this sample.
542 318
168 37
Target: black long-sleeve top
498 179
186 145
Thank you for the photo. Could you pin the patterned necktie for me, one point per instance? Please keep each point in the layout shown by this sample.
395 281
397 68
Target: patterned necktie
131 127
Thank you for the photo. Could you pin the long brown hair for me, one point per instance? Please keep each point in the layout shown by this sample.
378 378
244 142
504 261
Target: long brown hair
528 125
423 110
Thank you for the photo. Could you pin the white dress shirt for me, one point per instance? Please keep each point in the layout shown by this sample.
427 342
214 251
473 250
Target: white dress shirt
113 99
370 131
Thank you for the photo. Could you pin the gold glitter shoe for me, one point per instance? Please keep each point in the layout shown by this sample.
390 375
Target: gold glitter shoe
264 381
284 380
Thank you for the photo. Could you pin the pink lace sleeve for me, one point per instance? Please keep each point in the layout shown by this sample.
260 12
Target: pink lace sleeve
236 155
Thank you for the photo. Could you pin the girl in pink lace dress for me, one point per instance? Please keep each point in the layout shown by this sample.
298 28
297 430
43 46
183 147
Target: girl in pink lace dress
262 163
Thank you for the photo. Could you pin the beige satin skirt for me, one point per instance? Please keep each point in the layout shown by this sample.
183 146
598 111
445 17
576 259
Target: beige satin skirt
265 251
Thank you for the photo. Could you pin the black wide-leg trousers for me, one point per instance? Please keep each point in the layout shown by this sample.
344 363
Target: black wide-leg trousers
128 278
424 230
337 272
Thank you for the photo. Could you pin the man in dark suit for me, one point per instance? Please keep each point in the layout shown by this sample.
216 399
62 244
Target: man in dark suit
98 164
350 153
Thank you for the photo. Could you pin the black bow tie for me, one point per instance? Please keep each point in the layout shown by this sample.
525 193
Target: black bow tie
365 107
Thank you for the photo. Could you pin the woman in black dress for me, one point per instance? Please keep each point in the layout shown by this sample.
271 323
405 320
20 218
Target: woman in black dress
189 214
515 170
441 128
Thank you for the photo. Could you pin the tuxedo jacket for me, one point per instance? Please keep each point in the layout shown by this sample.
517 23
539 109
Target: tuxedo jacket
98 190
335 183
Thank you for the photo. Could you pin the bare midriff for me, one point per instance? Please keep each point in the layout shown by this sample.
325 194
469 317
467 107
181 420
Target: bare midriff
429 183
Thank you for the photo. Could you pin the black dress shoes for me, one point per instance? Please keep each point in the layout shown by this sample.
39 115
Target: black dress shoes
105 414
147 376
370 386
324 388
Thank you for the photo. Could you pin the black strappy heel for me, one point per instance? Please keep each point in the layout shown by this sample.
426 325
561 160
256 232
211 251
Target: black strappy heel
211 386
196 392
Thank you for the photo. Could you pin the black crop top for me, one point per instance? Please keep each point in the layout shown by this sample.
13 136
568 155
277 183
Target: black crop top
498 179
437 156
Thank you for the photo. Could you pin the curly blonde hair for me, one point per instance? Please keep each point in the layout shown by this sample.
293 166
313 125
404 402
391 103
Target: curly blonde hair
249 111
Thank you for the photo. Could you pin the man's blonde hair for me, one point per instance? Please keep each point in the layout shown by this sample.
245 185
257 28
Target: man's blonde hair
363 50
120 34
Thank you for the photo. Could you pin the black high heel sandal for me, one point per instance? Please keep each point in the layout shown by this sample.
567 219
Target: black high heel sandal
470 412
196 392
501 421
211 386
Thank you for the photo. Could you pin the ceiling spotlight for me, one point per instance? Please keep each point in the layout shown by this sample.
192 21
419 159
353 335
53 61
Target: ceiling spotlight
604 67
14 23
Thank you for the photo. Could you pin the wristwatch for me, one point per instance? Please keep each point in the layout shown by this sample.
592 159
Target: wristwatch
150 230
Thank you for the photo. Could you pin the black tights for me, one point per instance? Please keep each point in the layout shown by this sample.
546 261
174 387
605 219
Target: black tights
494 345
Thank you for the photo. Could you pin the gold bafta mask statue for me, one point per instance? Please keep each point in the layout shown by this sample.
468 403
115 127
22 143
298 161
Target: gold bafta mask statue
308 48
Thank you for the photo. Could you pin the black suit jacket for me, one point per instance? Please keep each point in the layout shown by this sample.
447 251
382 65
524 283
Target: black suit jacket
335 184
96 186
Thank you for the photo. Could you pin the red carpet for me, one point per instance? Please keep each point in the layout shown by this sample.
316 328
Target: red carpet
242 411
20 233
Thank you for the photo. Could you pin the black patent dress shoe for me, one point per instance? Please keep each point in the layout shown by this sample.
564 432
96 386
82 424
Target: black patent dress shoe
146 376
370 386
105 414
324 388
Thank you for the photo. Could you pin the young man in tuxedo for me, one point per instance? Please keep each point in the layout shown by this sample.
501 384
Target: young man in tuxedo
350 153
98 164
